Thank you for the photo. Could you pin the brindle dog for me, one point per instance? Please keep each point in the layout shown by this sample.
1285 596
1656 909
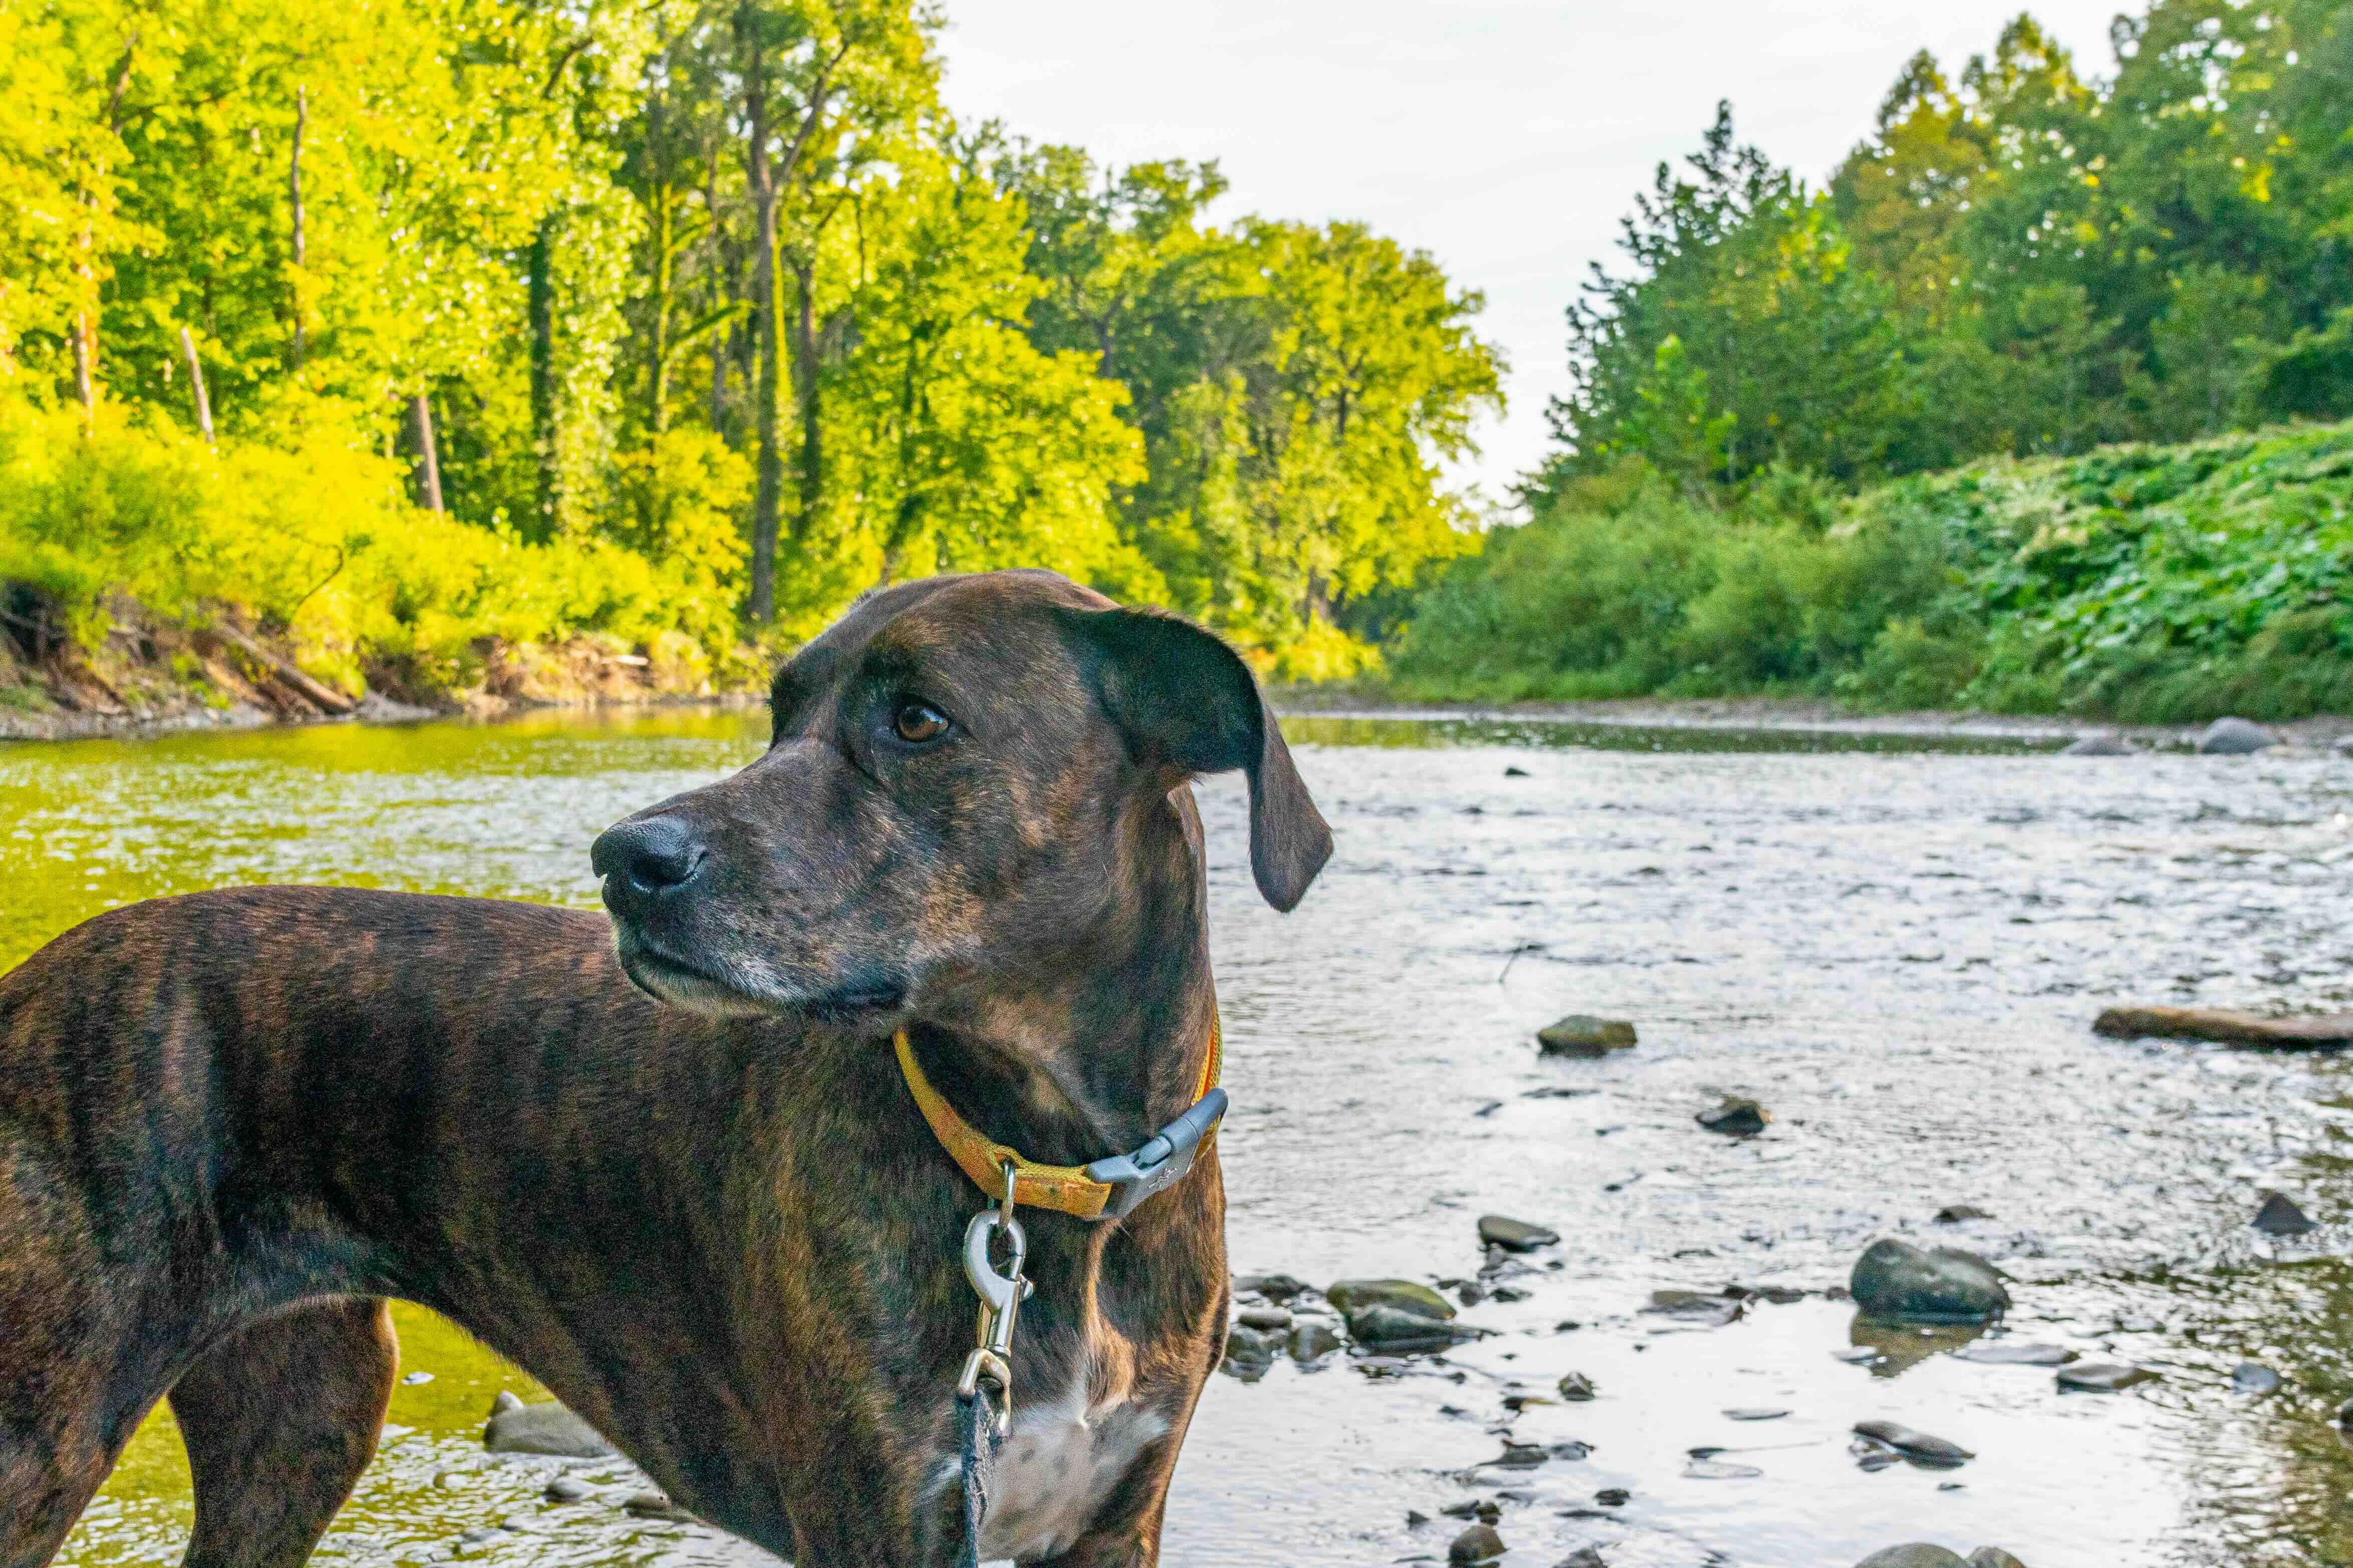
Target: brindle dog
702 1207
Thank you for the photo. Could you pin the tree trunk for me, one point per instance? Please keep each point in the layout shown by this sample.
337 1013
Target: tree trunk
657 375
429 461
542 373
196 386
760 175
294 201
805 389
85 387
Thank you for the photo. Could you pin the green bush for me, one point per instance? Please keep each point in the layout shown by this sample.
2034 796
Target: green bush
2137 582
317 540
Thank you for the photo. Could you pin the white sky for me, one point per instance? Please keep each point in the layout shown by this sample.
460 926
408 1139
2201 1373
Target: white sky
1506 137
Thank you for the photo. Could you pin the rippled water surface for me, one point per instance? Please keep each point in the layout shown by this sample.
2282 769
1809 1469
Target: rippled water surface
1899 951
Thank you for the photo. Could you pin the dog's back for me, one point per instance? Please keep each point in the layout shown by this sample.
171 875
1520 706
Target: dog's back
210 1108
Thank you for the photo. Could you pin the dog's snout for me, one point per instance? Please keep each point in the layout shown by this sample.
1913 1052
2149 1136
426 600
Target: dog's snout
648 856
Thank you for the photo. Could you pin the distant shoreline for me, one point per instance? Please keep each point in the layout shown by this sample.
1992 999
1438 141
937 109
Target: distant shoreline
1794 714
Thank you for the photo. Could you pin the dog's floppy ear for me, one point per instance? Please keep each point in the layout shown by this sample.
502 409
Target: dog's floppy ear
1186 700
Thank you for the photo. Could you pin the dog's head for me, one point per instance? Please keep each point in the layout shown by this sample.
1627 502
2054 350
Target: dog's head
964 774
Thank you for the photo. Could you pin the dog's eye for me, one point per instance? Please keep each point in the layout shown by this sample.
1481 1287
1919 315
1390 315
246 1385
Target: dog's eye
916 722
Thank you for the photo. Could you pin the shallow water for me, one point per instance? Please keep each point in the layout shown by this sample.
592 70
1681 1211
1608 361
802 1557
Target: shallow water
1898 949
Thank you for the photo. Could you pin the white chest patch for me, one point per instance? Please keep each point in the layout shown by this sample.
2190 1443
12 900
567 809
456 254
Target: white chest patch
1057 1466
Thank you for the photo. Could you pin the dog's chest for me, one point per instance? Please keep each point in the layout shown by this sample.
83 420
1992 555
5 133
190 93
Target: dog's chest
1059 1463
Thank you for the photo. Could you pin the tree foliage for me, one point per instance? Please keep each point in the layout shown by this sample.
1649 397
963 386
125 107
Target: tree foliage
2020 259
714 292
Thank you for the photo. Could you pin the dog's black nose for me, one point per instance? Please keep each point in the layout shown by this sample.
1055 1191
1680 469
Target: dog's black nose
649 856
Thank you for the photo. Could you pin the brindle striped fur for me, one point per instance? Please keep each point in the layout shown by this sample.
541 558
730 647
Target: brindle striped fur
232 1123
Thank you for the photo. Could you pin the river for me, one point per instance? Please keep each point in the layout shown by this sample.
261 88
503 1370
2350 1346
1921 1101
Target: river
1897 947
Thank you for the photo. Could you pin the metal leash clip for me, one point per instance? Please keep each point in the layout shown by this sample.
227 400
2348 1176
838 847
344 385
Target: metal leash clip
1001 1296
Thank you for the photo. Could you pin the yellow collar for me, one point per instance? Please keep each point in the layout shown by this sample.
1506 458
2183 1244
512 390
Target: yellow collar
1106 1189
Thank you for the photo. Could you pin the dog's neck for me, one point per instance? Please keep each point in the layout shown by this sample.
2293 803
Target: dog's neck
1101 1042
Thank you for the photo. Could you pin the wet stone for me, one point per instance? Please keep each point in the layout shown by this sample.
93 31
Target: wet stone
1520 1455
2234 738
1576 1388
1894 1281
1514 1235
2281 1217
1736 1116
563 1489
1613 1497
1312 1340
1352 1296
1755 1413
1713 1469
1919 1446
2254 1379
1277 1288
1479 1544
547 1428
1263 1319
2102 1377
1960 1213
1483 1510
1518 773
1244 1345
1393 1328
1993 1557
1695 1309
2006 1353
1914 1554
1585 1557
2105 744
653 1505
1582 1035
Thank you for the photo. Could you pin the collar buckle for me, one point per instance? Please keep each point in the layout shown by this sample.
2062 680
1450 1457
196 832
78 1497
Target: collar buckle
1161 1163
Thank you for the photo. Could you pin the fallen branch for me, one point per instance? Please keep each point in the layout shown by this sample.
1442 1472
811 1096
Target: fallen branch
2225 1027
325 696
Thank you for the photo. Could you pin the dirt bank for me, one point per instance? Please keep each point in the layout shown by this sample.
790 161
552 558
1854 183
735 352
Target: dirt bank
150 675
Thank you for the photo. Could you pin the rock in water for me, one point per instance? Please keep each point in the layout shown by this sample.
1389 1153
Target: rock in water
519 1428
1514 1235
564 1489
1993 1557
2100 743
2102 1377
1913 1445
2252 1378
1576 1388
1312 1340
1479 1544
2280 1216
1516 771
1959 1214
1394 1329
1265 1320
1755 1413
1736 1116
2225 1027
1696 1309
1916 1554
1580 1034
1275 1288
1893 1279
1248 1346
1352 1296
2001 1353
653 1505
1584 1557
2234 738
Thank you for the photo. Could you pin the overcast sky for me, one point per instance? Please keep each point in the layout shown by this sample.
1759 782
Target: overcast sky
1506 137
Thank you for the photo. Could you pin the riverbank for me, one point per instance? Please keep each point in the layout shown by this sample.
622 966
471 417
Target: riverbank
152 676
